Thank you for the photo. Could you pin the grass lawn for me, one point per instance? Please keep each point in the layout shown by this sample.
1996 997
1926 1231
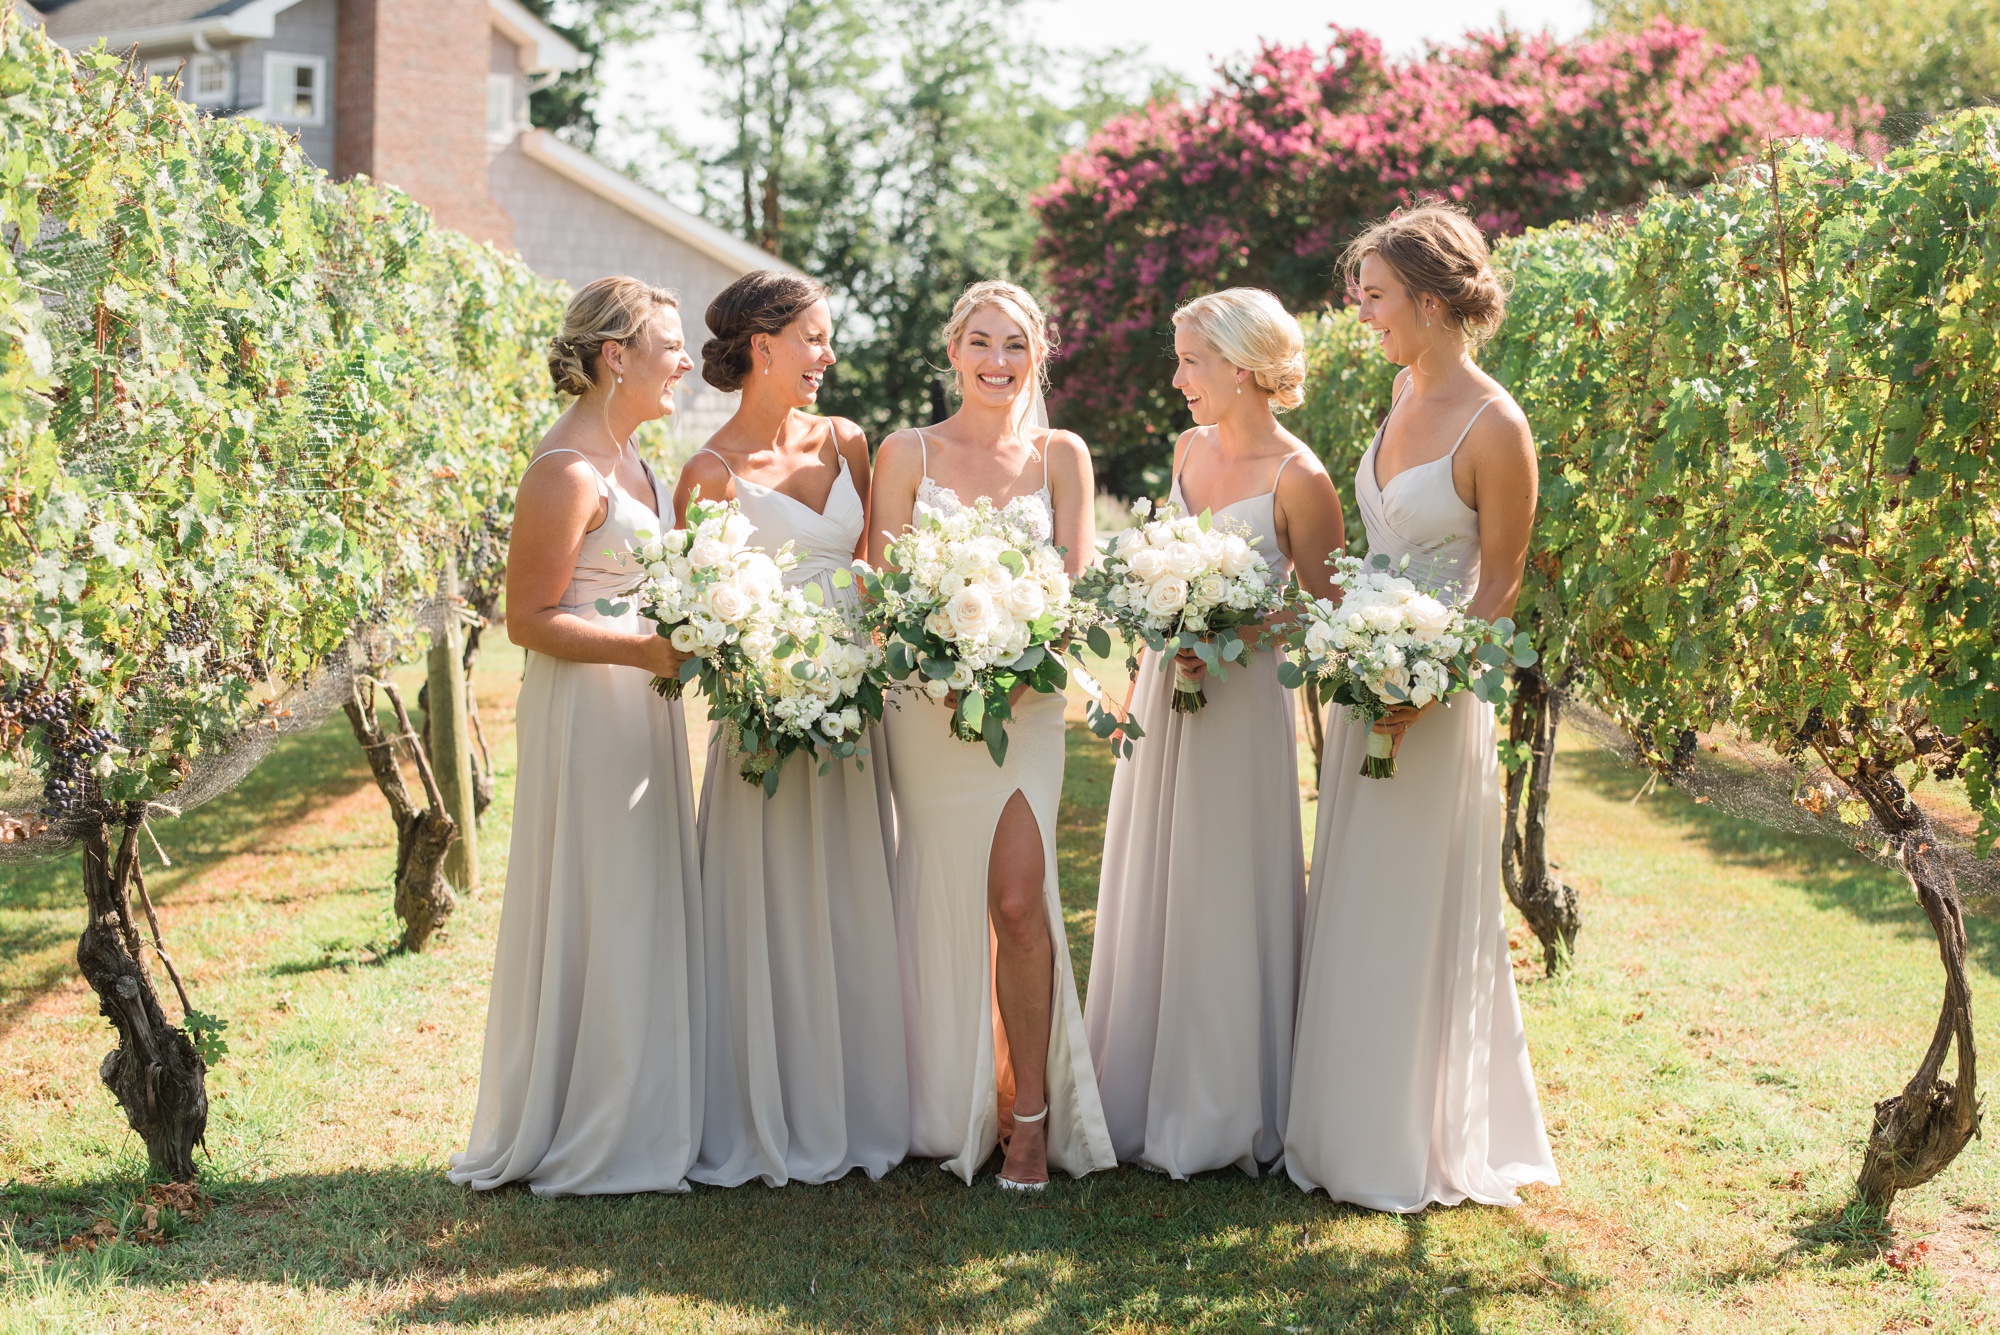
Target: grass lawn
1740 1000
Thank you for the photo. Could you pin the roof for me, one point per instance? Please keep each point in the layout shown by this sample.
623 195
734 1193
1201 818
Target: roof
579 167
122 23
543 49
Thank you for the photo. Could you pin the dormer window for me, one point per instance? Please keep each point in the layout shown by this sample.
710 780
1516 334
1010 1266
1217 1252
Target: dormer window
295 89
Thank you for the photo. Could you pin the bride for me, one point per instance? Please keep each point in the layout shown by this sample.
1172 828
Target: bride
1410 1075
591 1081
978 919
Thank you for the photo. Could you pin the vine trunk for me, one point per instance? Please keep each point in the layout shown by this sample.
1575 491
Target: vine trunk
155 1073
1550 906
423 834
1918 1132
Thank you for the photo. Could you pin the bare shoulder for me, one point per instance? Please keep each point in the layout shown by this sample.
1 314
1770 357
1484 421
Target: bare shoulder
899 449
704 472
1182 442
1502 435
557 477
1066 451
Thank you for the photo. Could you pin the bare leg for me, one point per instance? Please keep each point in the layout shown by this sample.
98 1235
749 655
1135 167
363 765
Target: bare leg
1024 976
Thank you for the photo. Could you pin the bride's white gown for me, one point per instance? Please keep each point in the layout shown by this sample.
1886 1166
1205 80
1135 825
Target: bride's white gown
591 1081
1410 1075
949 798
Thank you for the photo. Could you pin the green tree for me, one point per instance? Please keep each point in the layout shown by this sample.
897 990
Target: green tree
568 107
890 148
1916 58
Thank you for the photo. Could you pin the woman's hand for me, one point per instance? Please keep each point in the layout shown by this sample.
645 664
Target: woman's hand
1191 668
659 657
1397 722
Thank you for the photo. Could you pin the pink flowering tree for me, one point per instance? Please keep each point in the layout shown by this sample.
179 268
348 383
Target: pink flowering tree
1263 181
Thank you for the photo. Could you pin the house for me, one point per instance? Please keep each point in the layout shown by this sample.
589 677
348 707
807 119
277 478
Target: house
432 96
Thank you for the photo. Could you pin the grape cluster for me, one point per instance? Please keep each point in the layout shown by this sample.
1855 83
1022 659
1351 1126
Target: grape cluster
185 629
72 746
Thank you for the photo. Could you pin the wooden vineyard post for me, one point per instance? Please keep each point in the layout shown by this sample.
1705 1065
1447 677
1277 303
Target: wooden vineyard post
451 739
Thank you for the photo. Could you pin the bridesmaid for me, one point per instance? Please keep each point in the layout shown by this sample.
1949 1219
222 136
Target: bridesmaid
591 1081
978 916
1194 971
806 1071
1410 1081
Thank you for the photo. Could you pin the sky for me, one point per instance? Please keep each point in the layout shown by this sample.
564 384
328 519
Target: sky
658 82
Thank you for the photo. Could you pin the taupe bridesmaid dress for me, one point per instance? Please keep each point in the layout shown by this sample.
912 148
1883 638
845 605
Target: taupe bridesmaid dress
949 800
1193 974
591 1080
1410 1075
807 1076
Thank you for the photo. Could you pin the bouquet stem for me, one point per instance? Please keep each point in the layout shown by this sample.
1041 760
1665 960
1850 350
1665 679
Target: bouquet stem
1380 763
1189 695
668 688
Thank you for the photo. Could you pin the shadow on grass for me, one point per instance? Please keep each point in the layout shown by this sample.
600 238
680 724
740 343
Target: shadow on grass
303 773
1832 873
917 1250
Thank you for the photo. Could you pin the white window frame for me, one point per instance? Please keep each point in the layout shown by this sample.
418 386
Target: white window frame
203 63
503 96
281 62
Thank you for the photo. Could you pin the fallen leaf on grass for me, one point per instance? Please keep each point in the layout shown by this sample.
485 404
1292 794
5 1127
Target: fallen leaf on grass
1905 1259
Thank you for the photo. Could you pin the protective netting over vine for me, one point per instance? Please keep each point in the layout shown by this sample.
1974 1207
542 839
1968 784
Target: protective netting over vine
251 420
1738 777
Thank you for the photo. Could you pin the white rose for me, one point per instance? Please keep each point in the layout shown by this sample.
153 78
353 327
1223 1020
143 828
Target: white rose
707 551
960 678
1024 599
1428 617
938 624
1130 543
1209 589
728 602
1184 560
686 637
1237 558
850 719
1150 564
936 690
736 531
1167 596
970 609
1397 676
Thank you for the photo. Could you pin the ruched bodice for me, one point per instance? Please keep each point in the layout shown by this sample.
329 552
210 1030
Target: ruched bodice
1420 515
824 539
605 566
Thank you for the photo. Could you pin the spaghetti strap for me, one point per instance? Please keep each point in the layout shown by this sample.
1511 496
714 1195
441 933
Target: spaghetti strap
1468 426
719 459
603 487
1044 452
1281 472
925 446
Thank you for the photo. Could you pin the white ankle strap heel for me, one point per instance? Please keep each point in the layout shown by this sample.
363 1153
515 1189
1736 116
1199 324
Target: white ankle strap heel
1015 1184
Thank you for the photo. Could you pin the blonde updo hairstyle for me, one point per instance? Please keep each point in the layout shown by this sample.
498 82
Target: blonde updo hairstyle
1252 330
617 309
1440 253
1018 305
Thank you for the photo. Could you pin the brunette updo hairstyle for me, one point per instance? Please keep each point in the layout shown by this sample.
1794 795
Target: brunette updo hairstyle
1438 252
611 310
1251 329
765 301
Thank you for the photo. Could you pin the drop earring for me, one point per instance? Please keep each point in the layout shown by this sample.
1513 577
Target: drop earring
1239 387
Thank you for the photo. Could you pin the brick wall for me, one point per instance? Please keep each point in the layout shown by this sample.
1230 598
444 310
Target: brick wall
410 105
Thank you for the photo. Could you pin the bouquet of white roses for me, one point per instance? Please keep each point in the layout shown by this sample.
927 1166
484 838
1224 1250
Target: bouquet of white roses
1388 643
1182 582
974 605
799 677
702 585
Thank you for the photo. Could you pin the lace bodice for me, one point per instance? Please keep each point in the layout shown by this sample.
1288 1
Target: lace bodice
1036 511
1419 515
